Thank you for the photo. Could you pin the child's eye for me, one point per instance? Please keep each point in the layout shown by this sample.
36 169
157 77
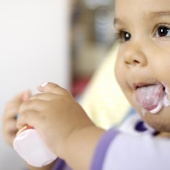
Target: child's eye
126 36
123 36
163 31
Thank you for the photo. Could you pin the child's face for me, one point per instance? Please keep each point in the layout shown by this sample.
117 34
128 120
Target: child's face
143 63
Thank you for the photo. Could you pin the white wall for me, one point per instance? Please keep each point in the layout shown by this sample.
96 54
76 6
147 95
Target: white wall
33 49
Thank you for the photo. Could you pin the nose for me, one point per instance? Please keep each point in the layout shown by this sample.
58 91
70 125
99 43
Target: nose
134 56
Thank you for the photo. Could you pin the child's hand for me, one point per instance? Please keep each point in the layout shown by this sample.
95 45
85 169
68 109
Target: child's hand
54 114
9 128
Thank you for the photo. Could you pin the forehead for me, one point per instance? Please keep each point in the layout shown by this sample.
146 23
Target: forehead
133 7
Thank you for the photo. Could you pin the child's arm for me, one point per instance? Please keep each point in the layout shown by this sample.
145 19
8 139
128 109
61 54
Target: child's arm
63 125
69 133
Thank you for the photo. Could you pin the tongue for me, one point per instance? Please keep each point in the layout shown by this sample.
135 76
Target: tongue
149 97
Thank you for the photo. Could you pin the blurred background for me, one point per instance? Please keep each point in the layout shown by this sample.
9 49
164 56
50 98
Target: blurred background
60 41
91 39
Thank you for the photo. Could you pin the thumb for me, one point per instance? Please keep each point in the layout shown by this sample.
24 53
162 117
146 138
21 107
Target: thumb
49 87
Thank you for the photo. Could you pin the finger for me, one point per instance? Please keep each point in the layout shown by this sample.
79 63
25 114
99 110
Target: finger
49 87
9 131
11 112
22 96
26 111
43 96
29 117
10 127
26 95
36 105
12 106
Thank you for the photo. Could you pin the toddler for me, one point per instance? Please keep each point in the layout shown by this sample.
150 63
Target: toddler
142 66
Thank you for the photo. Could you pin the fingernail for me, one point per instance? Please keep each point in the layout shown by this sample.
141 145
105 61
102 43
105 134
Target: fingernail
44 84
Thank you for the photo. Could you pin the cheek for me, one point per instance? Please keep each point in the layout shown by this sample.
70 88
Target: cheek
121 79
122 76
119 72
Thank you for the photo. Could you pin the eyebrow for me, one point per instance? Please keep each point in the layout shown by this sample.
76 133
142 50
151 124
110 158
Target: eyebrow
151 15
158 14
116 21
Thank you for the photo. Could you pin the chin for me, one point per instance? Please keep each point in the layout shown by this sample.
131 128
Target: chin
159 121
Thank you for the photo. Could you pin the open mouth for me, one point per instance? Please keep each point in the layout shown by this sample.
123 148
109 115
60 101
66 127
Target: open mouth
151 97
